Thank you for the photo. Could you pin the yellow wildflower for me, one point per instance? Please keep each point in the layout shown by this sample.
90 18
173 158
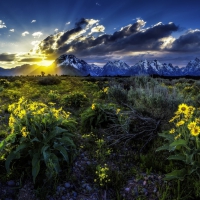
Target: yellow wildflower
175 117
172 131
178 136
191 125
197 120
195 131
183 108
24 132
93 106
118 110
180 123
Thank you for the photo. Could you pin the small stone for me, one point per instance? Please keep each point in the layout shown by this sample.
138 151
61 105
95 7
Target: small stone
88 188
67 185
135 191
11 183
88 162
74 194
144 183
155 190
63 198
127 189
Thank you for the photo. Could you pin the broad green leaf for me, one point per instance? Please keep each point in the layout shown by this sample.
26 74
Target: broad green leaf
62 151
9 159
35 139
180 142
164 147
67 141
177 157
176 174
55 162
167 136
35 165
21 147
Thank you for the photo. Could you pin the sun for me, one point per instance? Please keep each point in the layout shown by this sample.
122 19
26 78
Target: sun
45 63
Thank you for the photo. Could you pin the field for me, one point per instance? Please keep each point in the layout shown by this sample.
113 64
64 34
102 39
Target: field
99 138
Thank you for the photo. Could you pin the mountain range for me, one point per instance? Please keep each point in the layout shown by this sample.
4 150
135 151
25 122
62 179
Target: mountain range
70 65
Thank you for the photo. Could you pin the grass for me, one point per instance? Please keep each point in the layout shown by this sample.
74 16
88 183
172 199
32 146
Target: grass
125 137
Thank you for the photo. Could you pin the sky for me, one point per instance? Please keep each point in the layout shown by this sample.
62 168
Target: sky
98 31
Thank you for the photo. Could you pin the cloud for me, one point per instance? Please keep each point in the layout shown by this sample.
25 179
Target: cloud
189 41
56 30
98 4
33 21
7 57
99 28
31 60
67 23
130 38
12 30
2 24
25 33
37 34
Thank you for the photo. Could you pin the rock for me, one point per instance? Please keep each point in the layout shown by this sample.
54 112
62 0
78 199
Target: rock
11 183
74 194
88 188
67 185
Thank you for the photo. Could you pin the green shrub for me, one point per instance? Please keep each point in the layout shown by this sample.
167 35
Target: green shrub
183 142
40 134
5 83
75 100
118 94
50 80
152 98
98 116
53 95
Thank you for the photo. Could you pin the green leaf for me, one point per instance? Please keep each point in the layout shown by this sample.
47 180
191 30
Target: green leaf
177 157
21 147
35 139
62 151
167 136
55 162
9 159
176 174
180 142
35 165
67 141
164 147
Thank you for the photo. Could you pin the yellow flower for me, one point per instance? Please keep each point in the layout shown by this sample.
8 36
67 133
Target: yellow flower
24 132
180 123
183 108
93 106
178 136
197 120
195 131
106 90
172 131
191 125
118 110
175 117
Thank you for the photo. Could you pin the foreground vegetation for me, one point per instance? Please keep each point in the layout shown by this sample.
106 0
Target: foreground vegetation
124 126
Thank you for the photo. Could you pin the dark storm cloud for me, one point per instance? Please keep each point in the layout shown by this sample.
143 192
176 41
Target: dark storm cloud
136 40
190 41
133 37
7 57
77 29
30 60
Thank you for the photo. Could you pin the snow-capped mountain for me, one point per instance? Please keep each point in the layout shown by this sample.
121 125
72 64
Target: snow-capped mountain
115 68
70 65
192 68
154 67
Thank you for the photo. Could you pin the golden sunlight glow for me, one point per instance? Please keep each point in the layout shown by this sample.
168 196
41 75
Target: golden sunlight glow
45 62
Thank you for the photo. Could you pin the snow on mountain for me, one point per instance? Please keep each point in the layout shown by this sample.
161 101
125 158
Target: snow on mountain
154 67
115 68
192 68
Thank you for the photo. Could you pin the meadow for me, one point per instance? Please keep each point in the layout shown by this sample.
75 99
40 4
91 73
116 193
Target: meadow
99 138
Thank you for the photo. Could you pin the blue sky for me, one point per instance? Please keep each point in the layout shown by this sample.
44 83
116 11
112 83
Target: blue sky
38 31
